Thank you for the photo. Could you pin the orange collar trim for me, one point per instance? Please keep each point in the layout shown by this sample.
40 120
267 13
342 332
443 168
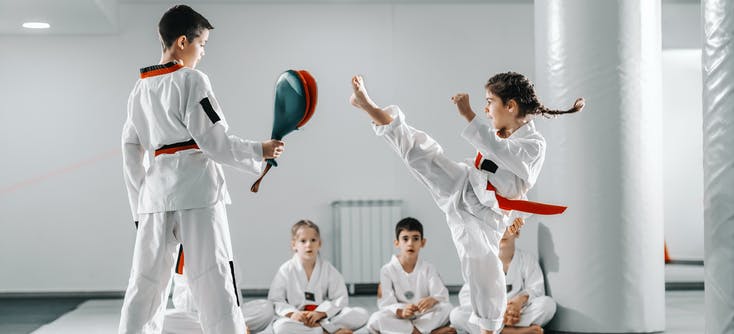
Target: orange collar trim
154 70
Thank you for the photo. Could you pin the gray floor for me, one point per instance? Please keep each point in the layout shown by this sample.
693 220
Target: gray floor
25 315
684 314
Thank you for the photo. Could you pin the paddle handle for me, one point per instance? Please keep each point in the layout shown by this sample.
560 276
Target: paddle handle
256 186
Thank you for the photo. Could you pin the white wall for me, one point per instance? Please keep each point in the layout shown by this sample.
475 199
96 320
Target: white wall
681 24
683 155
682 129
63 211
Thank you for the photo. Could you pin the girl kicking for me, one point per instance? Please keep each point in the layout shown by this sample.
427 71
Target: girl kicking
480 201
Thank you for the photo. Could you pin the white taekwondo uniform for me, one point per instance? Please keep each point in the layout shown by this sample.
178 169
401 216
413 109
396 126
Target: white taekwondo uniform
178 196
325 292
399 288
184 317
523 277
472 212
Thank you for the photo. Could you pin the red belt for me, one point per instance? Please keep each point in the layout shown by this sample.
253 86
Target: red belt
521 205
173 148
180 261
310 307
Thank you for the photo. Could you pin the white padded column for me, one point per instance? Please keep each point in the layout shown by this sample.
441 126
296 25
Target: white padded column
603 258
718 163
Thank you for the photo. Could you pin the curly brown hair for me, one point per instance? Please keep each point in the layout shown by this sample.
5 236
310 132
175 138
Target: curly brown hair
515 86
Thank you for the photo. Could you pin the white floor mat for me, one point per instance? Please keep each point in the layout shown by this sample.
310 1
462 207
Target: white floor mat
684 315
99 316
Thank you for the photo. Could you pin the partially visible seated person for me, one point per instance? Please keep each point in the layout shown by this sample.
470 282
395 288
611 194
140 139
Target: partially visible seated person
528 308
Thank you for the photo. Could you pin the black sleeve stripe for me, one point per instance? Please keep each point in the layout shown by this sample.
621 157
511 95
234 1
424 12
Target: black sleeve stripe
489 166
234 283
209 110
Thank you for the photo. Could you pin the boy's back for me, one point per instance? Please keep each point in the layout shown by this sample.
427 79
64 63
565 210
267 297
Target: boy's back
159 100
179 195
174 116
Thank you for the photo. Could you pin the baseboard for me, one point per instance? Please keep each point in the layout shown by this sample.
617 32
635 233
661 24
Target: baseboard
686 262
684 286
254 292
370 289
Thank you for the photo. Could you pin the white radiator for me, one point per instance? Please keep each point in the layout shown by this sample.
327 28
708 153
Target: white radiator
364 231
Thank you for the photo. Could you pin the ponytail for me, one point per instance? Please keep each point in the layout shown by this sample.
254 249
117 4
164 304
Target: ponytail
543 110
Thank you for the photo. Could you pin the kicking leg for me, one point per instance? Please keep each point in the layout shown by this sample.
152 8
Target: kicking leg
424 157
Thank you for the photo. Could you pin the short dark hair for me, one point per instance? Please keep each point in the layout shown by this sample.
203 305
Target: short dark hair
408 224
181 20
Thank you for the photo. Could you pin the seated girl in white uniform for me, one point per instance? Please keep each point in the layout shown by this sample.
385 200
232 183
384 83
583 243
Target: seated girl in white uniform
309 294
184 317
412 297
528 308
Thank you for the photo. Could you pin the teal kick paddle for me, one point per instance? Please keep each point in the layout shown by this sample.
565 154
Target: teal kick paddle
295 102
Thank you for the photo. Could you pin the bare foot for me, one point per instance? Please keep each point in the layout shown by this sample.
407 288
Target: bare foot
444 330
533 329
361 100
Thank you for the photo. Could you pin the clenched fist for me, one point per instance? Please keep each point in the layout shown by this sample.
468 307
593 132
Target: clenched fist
272 148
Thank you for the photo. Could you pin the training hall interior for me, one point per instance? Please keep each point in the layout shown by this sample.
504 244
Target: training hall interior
644 169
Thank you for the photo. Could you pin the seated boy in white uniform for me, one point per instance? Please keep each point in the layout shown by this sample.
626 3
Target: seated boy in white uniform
184 317
412 297
308 293
528 308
